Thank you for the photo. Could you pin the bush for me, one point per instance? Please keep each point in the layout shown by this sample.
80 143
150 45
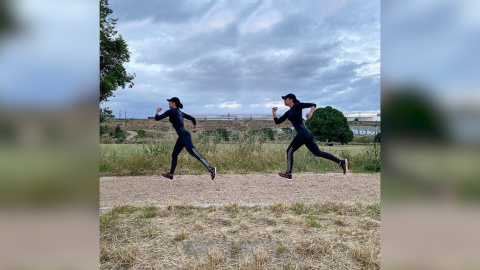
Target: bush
119 134
287 134
377 138
104 129
329 124
371 162
223 134
267 134
141 133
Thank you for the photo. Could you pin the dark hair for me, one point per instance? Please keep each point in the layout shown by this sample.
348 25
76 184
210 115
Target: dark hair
291 96
177 102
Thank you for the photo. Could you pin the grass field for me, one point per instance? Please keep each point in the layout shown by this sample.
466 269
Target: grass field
238 157
278 236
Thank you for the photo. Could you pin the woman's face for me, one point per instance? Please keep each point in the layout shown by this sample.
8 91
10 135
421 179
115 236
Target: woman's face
288 101
171 104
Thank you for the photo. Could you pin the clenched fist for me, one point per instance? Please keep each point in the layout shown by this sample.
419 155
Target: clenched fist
274 109
159 110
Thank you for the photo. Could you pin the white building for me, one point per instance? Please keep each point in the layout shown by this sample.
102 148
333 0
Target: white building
363 117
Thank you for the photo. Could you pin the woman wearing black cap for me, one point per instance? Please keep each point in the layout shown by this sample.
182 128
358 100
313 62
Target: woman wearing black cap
176 117
304 136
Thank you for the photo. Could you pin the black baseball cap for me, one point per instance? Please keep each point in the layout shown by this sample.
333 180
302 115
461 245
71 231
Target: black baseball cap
177 102
291 96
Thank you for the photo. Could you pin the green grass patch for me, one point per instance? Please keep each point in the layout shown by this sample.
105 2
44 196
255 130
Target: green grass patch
242 156
299 208
312 222
149 212
374 210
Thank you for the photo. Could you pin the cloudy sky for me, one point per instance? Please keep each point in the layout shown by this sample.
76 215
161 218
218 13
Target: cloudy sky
240 57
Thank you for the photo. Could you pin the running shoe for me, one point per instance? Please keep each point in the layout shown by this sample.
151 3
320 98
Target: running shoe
285 175
169 176
344 165
213 172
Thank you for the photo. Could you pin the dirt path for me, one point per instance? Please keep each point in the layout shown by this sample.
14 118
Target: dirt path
249 188
131 134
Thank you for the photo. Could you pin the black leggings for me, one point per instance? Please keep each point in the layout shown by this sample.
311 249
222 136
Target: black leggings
304 136
185 141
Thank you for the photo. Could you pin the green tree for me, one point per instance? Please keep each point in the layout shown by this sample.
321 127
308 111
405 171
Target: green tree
330 124
8 24
105 114
113 54
118 133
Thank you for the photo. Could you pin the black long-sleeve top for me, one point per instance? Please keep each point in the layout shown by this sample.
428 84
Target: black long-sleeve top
295 115
175 116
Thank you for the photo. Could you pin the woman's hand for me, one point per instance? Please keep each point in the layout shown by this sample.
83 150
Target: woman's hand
194 129
274 109
310 113
159 110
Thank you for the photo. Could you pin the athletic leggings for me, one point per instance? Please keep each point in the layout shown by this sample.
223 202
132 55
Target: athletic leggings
185 141
304 136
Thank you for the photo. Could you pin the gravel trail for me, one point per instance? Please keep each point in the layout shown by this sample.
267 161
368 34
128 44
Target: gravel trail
241 188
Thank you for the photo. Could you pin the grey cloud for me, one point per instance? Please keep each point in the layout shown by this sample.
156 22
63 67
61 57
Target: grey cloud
340 73
160 10
188 49
226 65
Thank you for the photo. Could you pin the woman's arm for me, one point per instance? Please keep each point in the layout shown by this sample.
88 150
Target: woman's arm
161 116
312 107
278 120
191 118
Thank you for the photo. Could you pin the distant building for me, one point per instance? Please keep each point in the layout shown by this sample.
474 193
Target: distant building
234 117
230 117
363 117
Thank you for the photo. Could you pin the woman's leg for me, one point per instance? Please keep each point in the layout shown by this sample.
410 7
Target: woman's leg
296 143
176 151
187 142
313 147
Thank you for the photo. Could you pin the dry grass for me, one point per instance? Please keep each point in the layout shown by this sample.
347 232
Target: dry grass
365 255
244 225
279 236
179 236
198 225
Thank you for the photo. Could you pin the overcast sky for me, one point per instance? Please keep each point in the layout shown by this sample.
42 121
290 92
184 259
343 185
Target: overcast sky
240 57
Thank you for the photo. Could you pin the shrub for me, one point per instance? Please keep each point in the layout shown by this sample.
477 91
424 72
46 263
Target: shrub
104 129
223 134
119 134
371 162
330 124
267 134
141 133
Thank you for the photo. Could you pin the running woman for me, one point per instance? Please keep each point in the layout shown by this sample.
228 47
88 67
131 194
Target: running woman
304 135
175 116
